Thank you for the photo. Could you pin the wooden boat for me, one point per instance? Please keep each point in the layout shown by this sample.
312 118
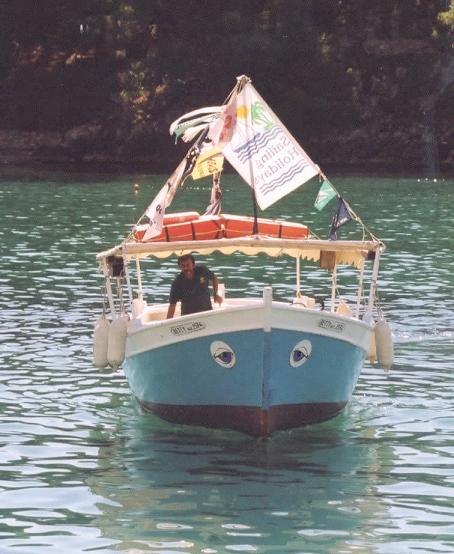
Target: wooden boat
251 364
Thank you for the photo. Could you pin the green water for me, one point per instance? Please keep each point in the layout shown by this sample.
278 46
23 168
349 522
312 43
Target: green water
82 469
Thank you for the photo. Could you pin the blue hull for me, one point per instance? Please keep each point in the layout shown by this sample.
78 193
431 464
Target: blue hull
274 382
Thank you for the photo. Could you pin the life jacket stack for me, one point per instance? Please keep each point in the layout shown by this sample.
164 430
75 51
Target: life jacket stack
192 226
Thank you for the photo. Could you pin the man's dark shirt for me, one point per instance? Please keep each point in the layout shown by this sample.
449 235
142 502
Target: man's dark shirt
193 293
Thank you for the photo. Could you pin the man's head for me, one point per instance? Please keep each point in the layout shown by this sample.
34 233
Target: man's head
187 263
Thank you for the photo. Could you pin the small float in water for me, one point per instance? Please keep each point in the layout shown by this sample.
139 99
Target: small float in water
307 357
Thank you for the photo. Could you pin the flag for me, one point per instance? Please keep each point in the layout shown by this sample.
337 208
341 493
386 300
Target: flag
155 212
189 125
214 207
341 217
221 129
262 150
325 194
191 159
208 163
174 181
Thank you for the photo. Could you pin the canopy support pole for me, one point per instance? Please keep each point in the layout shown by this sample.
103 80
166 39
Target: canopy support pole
139 280
373 288
255 228
298 279
360 290
128 282
333 288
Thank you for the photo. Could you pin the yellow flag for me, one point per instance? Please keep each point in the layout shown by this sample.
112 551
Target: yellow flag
208 163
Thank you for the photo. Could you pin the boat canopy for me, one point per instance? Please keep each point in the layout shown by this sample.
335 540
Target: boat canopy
328 252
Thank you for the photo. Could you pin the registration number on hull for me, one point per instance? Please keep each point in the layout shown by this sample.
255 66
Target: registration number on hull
185 329
329 325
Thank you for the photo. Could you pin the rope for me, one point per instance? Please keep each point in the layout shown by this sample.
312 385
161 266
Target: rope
104 297
121 307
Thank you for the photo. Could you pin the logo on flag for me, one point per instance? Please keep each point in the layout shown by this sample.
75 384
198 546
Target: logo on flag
208 163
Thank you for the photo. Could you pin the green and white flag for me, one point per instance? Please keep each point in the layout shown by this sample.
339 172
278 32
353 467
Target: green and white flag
325 194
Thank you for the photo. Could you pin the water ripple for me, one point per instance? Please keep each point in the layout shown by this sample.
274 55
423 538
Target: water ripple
83 469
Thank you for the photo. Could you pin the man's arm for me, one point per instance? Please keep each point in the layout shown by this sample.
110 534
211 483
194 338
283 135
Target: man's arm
171 311
216 297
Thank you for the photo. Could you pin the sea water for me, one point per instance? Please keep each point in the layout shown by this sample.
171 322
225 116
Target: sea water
83 469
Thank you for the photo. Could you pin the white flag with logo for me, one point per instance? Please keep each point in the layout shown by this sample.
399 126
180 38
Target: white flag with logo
263 151
155 212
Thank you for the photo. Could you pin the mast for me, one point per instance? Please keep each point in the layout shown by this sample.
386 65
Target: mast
242 81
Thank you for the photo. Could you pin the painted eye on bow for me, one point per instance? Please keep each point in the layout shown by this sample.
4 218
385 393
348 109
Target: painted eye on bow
222 354
300 353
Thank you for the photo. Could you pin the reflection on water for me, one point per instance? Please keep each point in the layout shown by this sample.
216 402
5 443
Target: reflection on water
82 469
313 487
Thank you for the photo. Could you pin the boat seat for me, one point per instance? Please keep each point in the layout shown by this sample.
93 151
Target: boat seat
343 309
305 301
159 315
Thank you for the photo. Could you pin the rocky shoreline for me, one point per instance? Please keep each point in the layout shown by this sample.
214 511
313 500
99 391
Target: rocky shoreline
77 151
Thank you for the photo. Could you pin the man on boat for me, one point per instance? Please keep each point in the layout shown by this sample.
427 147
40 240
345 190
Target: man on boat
191 288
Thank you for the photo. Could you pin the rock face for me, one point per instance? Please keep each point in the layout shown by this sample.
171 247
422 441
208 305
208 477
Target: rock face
420 148
25 147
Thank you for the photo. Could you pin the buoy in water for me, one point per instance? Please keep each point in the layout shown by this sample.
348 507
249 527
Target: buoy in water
384 342
117 341
372 352
100 342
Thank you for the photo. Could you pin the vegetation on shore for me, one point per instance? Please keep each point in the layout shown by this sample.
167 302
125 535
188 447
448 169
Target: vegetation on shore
360 84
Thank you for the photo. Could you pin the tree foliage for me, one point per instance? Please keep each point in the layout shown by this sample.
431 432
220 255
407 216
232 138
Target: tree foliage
130 67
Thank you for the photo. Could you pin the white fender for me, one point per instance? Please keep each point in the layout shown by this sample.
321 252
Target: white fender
100 342
384 342
372 352
117 341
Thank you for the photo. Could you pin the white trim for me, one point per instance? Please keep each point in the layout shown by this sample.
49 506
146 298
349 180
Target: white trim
238 315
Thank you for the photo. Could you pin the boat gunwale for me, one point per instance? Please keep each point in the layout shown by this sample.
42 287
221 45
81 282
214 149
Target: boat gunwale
143 327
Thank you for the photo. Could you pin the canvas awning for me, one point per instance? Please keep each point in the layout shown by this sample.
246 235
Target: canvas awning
345 252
